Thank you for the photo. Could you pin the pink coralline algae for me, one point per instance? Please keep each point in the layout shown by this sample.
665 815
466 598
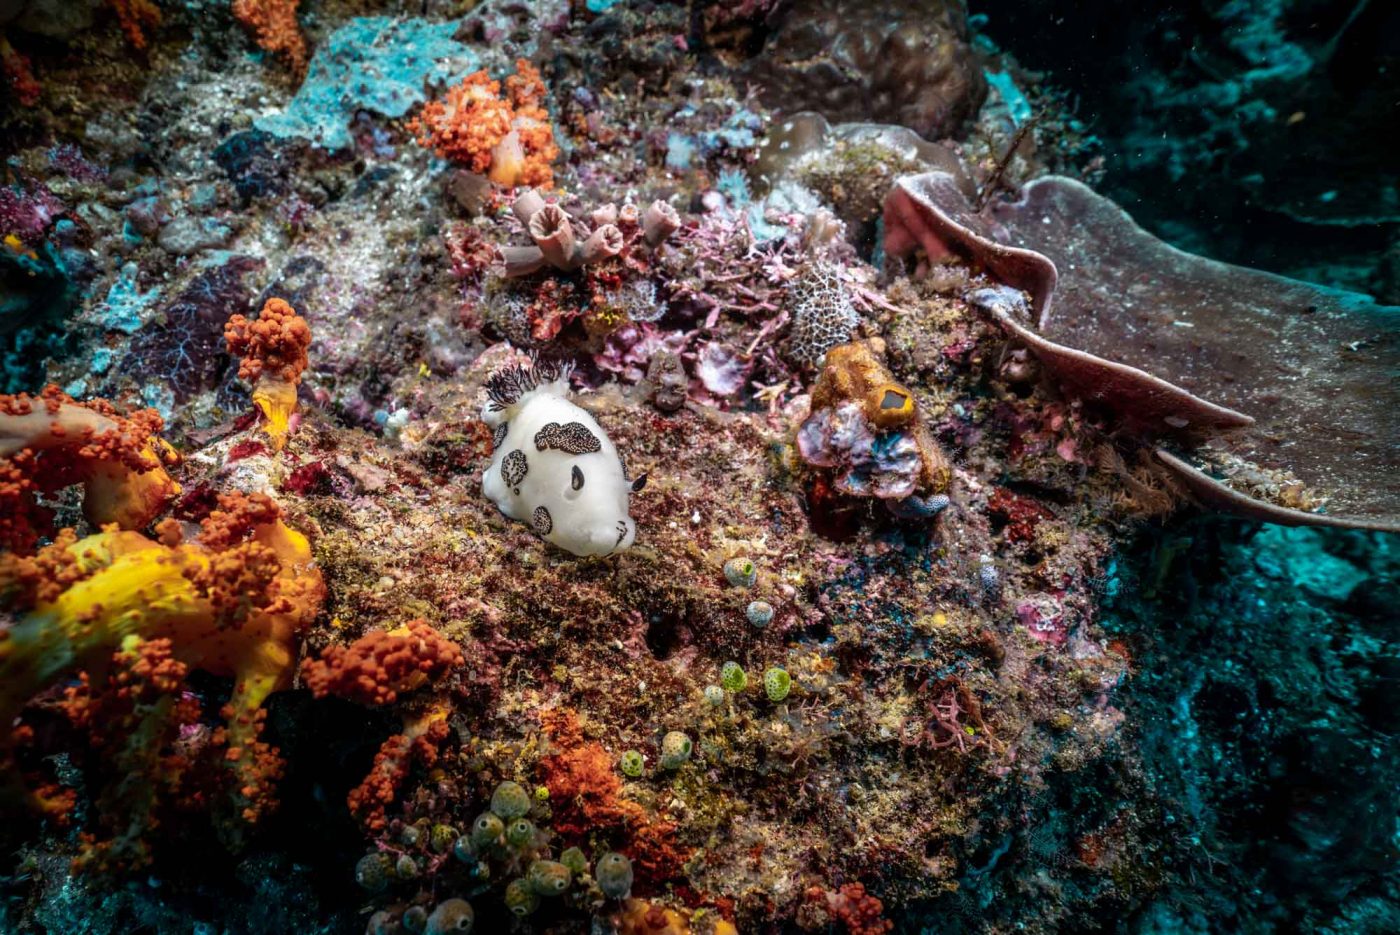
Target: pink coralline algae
27 211
1043 619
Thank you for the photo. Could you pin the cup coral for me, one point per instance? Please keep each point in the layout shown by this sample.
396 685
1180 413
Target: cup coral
509 139
565 243
273 350
51 441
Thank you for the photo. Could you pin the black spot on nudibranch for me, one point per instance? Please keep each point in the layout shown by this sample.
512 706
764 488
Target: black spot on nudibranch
542 521
577 480
498 437
514 467
572 438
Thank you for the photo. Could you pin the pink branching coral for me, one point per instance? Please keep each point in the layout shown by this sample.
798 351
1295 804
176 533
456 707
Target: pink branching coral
955 717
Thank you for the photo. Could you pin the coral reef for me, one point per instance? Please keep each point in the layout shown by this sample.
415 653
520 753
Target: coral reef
913 626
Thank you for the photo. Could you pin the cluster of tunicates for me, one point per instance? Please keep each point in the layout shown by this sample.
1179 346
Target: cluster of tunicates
501 840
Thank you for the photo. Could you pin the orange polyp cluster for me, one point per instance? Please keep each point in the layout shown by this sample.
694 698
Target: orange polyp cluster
51 441
16 72
273 24
135 17
232 604
382 664
419 743
375 670
585 794
134 719
272 350
640 917
274 344
509 139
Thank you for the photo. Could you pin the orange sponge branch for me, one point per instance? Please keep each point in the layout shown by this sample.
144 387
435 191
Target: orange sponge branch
232 604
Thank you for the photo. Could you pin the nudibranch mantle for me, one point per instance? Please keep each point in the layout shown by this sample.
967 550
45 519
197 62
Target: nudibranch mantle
552 466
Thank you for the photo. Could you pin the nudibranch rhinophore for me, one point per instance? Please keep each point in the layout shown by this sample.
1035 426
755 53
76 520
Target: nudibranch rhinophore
552 465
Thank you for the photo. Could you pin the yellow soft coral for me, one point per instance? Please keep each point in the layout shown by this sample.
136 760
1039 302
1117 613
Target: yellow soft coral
232 604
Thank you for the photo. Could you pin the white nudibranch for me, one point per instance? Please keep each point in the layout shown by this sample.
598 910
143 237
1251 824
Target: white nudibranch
552 466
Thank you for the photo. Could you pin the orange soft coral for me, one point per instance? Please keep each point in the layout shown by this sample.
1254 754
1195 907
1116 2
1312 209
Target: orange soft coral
639 917
585 794
233 604
375 670
272 349
419 743
134 720
50 441
508 139
862 913
16 72
273 24
135 17
382 664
